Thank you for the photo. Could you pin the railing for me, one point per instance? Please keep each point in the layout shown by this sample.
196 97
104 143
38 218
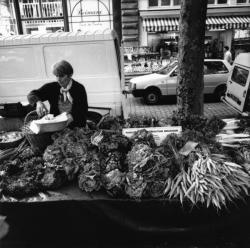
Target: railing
46 10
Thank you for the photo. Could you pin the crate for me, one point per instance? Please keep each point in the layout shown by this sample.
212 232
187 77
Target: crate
12 110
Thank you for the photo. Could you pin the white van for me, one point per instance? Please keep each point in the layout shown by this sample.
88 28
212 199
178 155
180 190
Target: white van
238 93
26 64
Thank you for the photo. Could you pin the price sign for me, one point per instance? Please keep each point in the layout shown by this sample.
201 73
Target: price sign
159 133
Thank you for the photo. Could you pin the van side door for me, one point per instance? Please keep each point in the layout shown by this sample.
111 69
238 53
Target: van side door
238 87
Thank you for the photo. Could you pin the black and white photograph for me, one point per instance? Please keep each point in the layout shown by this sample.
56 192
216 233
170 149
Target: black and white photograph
124 123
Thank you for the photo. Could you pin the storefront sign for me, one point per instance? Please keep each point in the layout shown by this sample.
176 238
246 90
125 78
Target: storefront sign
89 12
90 26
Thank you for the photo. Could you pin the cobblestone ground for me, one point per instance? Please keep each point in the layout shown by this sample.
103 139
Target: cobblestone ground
136 106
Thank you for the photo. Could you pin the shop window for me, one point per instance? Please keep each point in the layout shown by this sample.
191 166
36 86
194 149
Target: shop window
241 1
165 2
214 67
240 75
152 3
222 1
177 2
210 1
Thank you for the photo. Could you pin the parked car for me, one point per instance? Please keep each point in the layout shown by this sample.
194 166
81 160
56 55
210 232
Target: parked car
164 82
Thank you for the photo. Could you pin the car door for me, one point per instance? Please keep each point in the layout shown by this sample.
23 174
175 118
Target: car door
215 74
162 81
172 82
237 87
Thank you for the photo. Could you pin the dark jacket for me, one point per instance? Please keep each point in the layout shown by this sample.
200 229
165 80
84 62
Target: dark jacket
51 93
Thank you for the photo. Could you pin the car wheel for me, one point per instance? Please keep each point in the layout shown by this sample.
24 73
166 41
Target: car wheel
219 92
152 97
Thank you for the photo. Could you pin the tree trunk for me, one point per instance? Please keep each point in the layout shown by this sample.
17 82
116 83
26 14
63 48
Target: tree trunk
191 56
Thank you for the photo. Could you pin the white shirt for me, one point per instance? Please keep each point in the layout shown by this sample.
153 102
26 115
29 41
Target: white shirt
228 56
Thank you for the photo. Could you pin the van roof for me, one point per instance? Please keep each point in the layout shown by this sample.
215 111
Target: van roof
243 59
106 34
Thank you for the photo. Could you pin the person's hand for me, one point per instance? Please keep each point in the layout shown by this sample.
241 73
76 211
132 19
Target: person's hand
41 109
70 118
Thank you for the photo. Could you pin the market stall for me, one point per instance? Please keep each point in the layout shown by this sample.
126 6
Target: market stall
137 178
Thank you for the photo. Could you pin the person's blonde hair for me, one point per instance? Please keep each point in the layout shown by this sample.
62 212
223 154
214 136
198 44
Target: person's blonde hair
62 68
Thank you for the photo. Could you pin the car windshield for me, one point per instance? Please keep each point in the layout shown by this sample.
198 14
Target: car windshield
165 70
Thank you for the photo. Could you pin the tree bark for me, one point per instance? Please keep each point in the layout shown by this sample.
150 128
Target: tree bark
191 56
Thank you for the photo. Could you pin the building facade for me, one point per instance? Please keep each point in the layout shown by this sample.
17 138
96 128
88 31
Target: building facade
150 31
159 25
149 24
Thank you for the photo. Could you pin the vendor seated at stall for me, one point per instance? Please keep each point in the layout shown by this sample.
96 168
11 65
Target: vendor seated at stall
63 95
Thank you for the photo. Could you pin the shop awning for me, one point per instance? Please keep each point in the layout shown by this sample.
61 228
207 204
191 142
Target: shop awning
212 23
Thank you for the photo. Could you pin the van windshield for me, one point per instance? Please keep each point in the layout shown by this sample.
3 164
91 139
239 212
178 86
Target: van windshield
168 68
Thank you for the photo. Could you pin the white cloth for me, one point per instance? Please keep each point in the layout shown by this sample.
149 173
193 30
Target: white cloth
228 56
65 92
42 125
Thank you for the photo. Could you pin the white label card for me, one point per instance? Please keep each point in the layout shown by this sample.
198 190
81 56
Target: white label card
159 133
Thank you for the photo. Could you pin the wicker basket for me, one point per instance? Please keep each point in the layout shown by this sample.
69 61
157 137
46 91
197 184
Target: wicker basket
38 142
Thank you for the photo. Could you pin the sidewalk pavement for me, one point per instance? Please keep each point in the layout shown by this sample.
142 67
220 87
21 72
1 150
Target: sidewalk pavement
136 106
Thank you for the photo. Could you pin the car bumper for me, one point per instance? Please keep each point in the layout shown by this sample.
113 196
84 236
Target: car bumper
138 93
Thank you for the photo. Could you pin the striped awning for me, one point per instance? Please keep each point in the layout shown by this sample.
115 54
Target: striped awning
212 23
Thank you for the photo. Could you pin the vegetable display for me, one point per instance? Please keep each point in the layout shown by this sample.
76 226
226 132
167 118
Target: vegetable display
90 172
193 167
10 137
112 148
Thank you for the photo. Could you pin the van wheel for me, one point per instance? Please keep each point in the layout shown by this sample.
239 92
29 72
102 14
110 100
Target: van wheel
219 92
152 96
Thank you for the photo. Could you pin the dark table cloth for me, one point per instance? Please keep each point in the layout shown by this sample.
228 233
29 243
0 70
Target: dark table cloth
70 214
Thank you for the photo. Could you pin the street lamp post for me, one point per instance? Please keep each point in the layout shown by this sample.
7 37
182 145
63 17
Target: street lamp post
18 17
65 16
117 18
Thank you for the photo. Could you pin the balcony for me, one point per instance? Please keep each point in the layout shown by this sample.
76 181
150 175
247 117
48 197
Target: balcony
43 10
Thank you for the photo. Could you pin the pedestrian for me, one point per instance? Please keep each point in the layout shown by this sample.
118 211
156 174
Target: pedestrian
63 95
162 54
227 55
214 49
